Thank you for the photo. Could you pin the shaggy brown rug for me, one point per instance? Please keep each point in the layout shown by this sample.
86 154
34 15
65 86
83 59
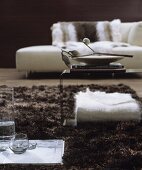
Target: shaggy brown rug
110 145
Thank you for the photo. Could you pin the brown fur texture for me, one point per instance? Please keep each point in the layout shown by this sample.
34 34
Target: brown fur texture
108 145
86 29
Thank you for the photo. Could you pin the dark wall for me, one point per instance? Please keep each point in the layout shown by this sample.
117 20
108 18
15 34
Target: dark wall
27 22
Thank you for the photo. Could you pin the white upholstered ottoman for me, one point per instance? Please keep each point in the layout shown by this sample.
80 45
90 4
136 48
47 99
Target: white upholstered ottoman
39 59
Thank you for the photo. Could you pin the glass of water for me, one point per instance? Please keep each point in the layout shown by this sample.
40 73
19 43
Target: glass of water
7 124
19 143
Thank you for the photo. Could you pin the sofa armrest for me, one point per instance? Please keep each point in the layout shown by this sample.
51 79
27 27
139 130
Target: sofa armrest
135 34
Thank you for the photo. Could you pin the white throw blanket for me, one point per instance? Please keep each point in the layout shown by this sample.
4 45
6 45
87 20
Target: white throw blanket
102 106
100 46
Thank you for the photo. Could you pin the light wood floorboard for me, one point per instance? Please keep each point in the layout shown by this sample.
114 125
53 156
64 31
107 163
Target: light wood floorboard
12 78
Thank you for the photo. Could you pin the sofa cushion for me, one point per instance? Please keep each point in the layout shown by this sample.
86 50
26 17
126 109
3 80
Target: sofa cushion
125 29
135 34
57 35
95 31
63 32
115 26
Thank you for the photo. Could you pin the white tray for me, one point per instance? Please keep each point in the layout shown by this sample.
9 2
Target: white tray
46 152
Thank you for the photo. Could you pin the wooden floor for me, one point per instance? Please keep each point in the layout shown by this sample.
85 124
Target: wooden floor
11 78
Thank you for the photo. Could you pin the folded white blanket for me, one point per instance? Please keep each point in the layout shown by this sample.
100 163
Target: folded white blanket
102 106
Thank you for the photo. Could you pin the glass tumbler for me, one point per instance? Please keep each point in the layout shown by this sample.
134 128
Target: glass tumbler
19 143
7 123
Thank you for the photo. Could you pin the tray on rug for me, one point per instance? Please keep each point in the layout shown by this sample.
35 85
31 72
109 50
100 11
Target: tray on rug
46 152
116 145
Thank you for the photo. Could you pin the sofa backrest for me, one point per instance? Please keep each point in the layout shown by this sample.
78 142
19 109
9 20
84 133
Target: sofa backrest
115 31
63 32
125 29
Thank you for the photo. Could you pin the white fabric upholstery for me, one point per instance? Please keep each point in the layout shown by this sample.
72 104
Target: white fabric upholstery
40 59
135 35
125 29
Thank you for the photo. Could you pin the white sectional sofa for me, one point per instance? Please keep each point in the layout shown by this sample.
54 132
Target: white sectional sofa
111 37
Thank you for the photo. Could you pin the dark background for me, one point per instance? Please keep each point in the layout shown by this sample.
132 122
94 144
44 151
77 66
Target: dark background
27 22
